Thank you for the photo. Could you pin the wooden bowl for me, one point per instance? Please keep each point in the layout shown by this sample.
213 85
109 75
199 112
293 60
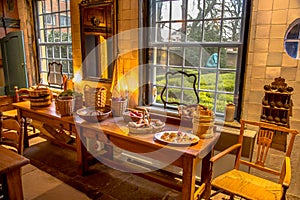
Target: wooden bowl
92 114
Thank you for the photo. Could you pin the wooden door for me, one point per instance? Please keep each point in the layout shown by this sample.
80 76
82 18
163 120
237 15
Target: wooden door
14 63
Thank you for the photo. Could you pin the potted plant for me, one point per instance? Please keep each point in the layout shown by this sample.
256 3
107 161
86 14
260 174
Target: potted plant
68 101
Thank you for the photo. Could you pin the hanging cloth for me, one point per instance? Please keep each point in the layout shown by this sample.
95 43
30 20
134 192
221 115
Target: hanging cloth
103 57
115 85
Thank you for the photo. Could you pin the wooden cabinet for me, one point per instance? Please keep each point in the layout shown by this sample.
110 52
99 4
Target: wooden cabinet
98 23
277 103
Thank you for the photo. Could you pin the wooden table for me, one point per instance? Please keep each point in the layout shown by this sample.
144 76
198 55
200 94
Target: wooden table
49 116
10 166
112 132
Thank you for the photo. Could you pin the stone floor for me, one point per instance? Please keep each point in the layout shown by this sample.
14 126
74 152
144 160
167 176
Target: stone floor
38 184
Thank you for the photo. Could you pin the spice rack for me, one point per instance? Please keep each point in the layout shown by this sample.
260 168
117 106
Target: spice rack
277 103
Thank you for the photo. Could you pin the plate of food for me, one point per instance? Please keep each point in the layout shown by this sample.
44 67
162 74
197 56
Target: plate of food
176 138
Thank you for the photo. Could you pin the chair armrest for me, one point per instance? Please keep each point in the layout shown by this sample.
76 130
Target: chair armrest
225 152
288 173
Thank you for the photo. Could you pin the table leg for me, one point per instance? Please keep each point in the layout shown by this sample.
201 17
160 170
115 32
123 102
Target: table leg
188 176
14 184
206 175
82 153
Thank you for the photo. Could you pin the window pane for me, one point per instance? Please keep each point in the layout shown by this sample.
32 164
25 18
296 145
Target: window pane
212 31
158 98
49 36
64 52
194 31
71 72
69 35
209 57
163 31
57 35
213 9
195 9
163 11
174 95
189 97
177 32
192 56
231 30
226 81
54 6
177 13
207 99
64 35
176 56
189 80
161 56
65 66
160 73
208 79
294 32
291 48
228 58
222 100
49 52
56 52
233 8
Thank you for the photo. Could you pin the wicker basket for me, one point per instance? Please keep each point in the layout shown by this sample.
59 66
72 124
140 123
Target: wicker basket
94 97
101 97
65 106
118 107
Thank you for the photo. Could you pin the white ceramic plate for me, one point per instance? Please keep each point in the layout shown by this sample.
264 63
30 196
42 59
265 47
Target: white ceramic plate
176 138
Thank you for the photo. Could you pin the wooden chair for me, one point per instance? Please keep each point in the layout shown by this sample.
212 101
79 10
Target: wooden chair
21 94
250 186
11 133
55 75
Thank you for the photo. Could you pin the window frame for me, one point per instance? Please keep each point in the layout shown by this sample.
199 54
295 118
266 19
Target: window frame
145 74
60 48
294 42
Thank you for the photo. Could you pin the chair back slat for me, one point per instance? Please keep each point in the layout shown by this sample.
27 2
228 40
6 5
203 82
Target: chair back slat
12 133
21 94
265 177
264 140
264 136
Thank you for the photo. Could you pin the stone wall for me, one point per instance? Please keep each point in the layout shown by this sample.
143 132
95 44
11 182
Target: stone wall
127 46
266 60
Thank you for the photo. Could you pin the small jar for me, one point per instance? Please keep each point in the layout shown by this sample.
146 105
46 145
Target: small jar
229 113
